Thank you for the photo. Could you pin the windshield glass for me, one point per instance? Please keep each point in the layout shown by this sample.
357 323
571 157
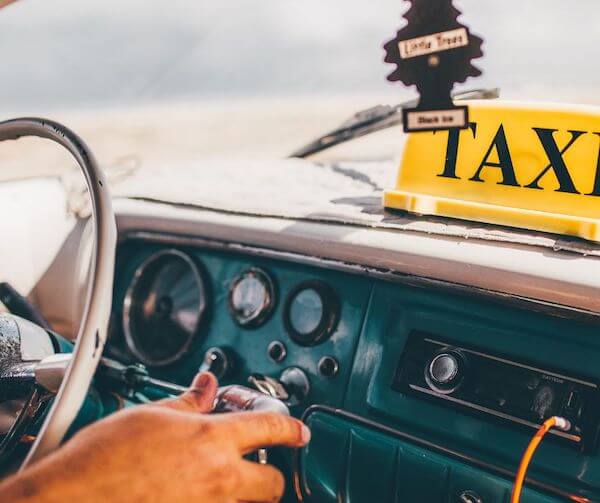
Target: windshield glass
253 78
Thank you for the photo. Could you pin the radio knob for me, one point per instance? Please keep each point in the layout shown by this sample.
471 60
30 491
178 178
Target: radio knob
445 372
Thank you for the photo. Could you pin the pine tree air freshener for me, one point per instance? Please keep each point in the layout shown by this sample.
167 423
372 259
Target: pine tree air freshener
433 52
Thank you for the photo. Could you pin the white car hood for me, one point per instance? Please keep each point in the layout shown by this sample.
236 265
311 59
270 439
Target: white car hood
342 192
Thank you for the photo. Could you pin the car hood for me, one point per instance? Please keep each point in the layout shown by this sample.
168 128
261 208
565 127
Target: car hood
289 188
342 192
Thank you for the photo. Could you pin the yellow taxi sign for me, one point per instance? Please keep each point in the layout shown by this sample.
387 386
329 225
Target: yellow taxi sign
528 166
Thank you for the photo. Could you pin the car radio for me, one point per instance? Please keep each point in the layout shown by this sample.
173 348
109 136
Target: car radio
499 387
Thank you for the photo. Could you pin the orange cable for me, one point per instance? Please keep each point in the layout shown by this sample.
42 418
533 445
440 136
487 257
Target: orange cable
555 421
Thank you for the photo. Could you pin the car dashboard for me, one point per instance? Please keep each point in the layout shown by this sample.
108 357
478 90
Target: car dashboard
416 390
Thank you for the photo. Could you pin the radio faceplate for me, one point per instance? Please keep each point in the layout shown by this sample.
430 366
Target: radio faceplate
498 387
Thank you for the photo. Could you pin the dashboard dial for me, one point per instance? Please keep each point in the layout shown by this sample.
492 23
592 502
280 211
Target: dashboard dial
252 298
446 371
311 313
164 308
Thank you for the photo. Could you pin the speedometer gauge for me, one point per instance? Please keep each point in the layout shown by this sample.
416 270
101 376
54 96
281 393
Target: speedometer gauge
252 298
164 308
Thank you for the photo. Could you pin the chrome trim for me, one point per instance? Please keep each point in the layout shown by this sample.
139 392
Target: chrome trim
388 275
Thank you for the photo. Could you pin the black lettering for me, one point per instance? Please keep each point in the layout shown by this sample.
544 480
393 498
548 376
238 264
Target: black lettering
596 191
505 161
452 151
557 163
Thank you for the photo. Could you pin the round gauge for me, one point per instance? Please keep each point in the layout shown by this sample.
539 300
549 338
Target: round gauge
252 298
311 313
164 307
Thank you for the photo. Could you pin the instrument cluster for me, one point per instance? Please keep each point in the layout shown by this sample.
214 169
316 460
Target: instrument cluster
178 310
165 306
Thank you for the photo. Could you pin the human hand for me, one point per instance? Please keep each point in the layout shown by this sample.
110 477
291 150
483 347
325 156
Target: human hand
167 451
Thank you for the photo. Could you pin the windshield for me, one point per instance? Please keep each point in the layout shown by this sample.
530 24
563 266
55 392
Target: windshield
257 78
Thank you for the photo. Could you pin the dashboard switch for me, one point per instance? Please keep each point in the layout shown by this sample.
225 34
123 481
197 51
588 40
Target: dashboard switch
328 367
218 361
277 351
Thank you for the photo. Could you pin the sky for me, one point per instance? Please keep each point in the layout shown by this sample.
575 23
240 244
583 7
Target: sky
74 54
58 56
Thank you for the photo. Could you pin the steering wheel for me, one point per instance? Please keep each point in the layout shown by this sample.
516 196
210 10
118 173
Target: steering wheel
15 332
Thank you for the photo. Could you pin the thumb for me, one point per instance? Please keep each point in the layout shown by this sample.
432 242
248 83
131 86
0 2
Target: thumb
200 397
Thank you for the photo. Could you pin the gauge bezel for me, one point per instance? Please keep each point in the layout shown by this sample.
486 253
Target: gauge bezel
329 319
128 306
334 371
265 311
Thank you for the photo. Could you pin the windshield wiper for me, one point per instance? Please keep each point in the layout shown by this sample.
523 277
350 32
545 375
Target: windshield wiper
376 119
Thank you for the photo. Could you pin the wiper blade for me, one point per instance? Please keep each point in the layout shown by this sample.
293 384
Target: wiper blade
378 118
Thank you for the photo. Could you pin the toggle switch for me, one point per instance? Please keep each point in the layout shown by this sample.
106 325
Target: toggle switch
218 361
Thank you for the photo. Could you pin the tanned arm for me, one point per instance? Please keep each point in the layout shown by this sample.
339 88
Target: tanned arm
169 451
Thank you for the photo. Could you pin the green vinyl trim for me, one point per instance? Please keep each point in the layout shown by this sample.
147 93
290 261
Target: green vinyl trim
349 462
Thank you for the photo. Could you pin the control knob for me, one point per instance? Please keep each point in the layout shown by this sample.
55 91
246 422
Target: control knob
445 372
291 388
218 361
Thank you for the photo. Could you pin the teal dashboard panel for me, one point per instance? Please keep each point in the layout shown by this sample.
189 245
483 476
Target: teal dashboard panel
250 345
558 344
374 437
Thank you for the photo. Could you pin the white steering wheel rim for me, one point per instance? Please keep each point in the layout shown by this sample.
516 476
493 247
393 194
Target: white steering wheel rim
94 325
